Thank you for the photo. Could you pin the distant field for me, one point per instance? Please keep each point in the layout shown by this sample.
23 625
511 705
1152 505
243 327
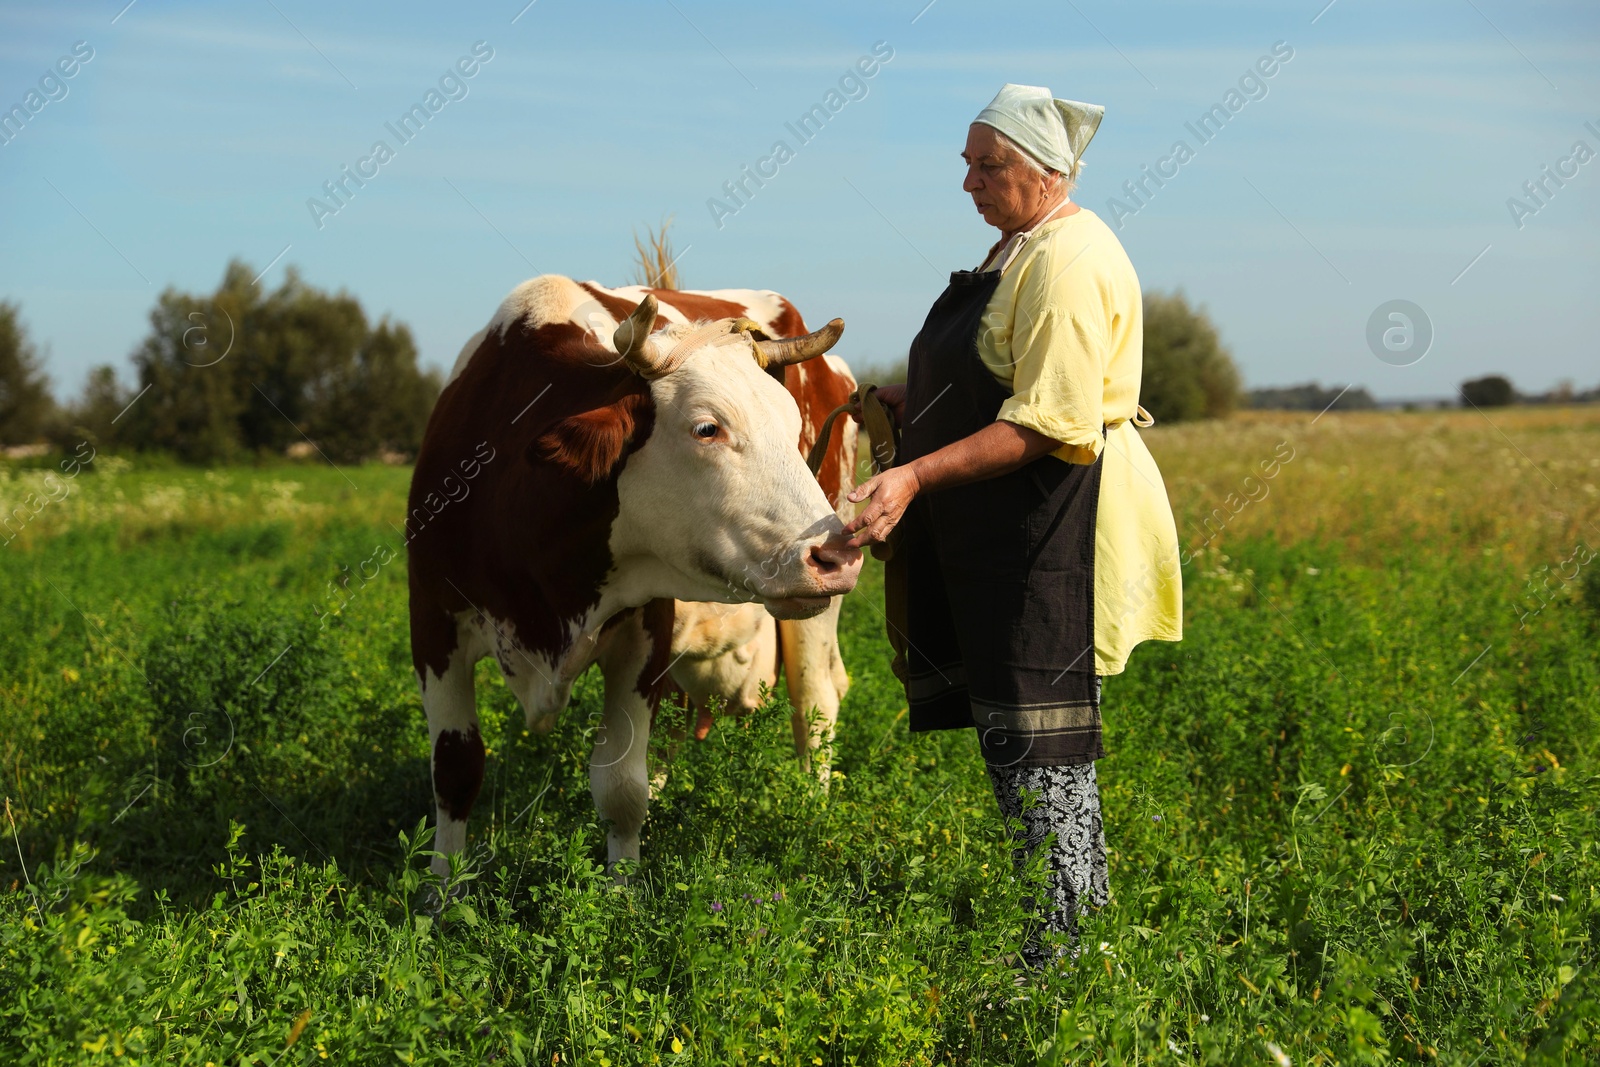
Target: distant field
1352 816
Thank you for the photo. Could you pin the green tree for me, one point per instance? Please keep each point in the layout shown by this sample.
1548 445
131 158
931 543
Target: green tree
300 346
1493 391
190 404
26 406
104 398
1188 374
242 371
377 401
93 416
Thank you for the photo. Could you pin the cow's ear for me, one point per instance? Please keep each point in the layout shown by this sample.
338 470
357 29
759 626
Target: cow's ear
591 444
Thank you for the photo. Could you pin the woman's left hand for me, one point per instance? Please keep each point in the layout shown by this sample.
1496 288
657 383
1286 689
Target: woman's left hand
889 493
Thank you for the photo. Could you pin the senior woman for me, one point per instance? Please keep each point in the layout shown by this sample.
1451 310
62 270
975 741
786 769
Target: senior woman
1037 541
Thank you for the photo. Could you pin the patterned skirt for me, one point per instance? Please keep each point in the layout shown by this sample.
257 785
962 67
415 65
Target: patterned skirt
1063 801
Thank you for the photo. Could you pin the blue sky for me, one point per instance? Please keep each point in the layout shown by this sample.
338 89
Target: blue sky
1377 166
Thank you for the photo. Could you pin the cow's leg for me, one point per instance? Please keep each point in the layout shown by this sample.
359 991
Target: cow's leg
634 657
817 683
456 747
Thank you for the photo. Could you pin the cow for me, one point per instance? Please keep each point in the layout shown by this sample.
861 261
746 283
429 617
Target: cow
730 652
589 461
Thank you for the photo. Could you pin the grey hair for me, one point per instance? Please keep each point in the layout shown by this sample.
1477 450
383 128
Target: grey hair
1070 177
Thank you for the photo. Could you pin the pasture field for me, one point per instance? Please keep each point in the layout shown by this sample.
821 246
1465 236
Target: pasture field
1352 816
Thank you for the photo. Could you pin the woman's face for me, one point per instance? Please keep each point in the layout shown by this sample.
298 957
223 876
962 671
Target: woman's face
1006 189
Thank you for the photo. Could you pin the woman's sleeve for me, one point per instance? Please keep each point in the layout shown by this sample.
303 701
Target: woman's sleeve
1059 347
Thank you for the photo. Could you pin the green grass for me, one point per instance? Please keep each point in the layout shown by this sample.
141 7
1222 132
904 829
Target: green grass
1334 827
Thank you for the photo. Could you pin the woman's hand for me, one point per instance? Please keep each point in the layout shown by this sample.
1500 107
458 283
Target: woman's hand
889 493
998 448
892 397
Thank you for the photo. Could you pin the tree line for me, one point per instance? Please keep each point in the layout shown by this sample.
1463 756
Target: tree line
1490 391
243 372
232 374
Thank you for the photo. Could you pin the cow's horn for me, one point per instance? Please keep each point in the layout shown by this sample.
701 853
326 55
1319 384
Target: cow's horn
800 349
632 339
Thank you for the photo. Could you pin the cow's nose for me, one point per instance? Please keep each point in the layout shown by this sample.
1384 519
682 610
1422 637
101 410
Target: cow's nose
834 563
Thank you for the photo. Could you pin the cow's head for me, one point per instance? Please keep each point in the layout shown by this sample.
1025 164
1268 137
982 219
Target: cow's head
717 504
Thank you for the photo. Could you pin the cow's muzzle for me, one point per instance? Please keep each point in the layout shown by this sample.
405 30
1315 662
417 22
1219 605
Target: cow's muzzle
834 564
829 569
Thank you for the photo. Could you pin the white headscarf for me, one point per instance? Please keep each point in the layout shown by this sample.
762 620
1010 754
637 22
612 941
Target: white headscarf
1054 132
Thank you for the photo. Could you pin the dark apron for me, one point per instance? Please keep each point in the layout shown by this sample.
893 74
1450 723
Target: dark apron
999 574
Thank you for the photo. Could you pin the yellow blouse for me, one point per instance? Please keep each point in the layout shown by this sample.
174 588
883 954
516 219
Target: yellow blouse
1065 333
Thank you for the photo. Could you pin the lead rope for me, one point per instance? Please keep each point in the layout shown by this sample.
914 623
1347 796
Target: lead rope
877 420
885 438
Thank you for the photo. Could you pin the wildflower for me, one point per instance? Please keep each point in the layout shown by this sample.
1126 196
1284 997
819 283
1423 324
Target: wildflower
716 905
761 931
777 894
760 901
1155 818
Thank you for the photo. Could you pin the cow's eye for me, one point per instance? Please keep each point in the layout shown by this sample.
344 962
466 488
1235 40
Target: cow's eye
705 430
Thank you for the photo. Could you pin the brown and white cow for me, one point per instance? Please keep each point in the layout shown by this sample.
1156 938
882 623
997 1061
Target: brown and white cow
590 460
730 652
